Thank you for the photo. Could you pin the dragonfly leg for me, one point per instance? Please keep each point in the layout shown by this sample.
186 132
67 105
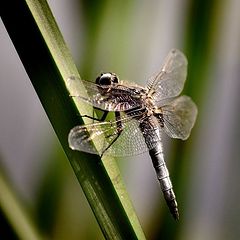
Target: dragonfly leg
119 131
97 119
119 127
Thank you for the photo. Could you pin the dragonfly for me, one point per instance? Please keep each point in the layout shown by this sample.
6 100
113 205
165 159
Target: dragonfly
141 115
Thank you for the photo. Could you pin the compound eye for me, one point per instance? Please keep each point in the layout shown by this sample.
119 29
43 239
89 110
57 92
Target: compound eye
105 80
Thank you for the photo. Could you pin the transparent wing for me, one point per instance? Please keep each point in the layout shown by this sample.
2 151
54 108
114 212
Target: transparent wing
129 142
179 117
115 97
170 80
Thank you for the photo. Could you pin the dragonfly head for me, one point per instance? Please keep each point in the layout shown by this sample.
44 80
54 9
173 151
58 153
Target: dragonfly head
107 79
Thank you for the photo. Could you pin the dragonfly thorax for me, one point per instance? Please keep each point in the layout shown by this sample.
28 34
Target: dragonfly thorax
149 104
153 111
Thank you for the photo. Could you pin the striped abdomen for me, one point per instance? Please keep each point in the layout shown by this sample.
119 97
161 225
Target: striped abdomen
152 138
164 179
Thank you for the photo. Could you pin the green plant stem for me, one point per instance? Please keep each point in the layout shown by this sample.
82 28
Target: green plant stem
15 213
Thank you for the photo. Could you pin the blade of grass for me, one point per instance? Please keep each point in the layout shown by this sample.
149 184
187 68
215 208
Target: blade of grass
15 213
48 63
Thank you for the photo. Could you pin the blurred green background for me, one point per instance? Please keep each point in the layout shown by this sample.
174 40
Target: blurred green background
131 38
